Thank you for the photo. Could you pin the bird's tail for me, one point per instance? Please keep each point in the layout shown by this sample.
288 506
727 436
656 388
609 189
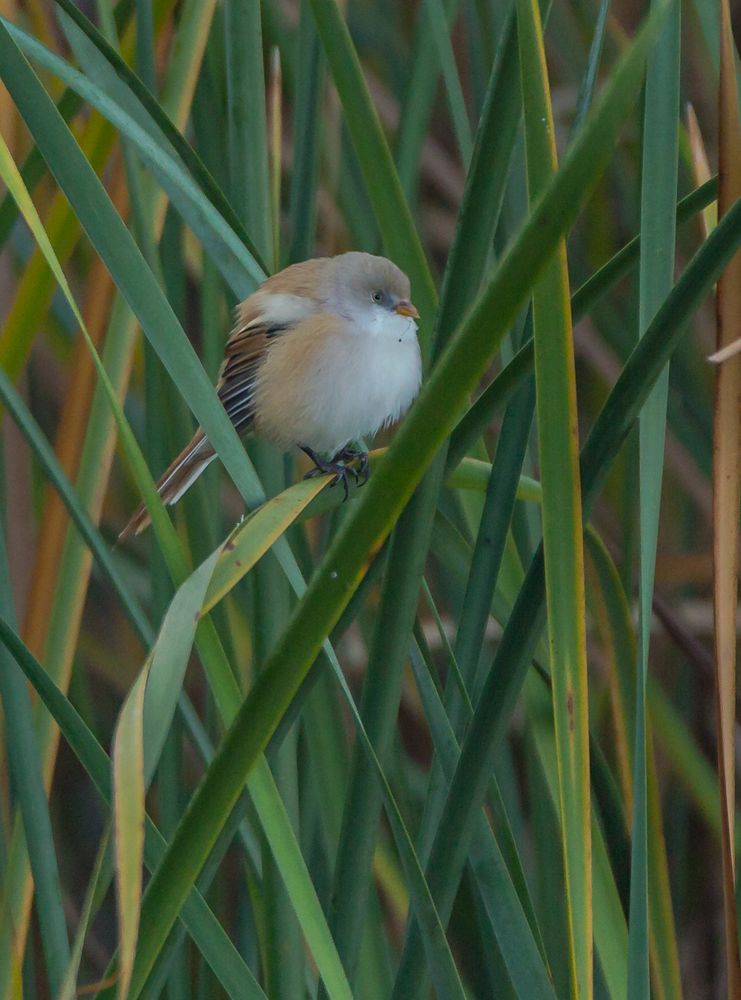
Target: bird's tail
178 478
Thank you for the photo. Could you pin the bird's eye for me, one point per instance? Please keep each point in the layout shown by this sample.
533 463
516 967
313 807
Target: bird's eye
377 296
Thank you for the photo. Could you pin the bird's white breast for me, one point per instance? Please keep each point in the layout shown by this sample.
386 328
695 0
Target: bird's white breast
366 380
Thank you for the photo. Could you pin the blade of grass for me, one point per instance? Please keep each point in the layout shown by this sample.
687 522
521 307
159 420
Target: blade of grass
237 551
69 104
499 390
127 763
481 583
145 34
276 150
94 894
700 166
658 197
519 947
418 101
68 445
36 287
168 662
555 380
46 457
34 168
238 265
610 929
611 936
248 151
485 187
693 770
187 42
380 704
501 491
616 626
619 265
249 175
128 813
589 80
727 493
25 768
435 12
444 971
307 124
260 782
200 920
520 636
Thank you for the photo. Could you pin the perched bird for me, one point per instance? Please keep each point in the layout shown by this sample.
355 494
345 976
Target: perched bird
322 354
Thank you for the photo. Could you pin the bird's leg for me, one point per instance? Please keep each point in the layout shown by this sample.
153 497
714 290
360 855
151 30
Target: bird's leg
323 467
355 455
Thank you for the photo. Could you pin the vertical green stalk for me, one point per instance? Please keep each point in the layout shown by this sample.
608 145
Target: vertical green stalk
27 778
418 101
251 197
658 227
307 122
562 515
171 790
379 708
454 92
248 145
145 64
481 583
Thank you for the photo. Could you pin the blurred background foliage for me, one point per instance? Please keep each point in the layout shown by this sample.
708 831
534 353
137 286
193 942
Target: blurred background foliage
245 140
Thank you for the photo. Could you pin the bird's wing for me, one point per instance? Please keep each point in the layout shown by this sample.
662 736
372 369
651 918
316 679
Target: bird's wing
242 360
268 313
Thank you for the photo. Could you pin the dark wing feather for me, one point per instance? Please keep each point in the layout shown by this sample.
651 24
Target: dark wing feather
243 356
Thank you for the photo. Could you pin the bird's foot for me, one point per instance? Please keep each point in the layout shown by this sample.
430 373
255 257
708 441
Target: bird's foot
337 468
354 455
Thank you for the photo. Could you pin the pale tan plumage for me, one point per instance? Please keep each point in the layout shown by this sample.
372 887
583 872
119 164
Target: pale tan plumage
321 353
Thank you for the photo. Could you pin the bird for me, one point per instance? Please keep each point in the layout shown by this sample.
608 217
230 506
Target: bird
322 354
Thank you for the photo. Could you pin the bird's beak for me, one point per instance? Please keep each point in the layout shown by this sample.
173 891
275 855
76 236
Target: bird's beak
405 308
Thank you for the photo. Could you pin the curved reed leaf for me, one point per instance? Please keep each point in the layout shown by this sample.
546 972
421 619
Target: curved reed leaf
555 380
158 115
128 814
113 99
34 168
206 930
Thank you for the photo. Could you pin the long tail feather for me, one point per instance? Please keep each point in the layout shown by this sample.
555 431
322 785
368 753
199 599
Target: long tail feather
176 479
